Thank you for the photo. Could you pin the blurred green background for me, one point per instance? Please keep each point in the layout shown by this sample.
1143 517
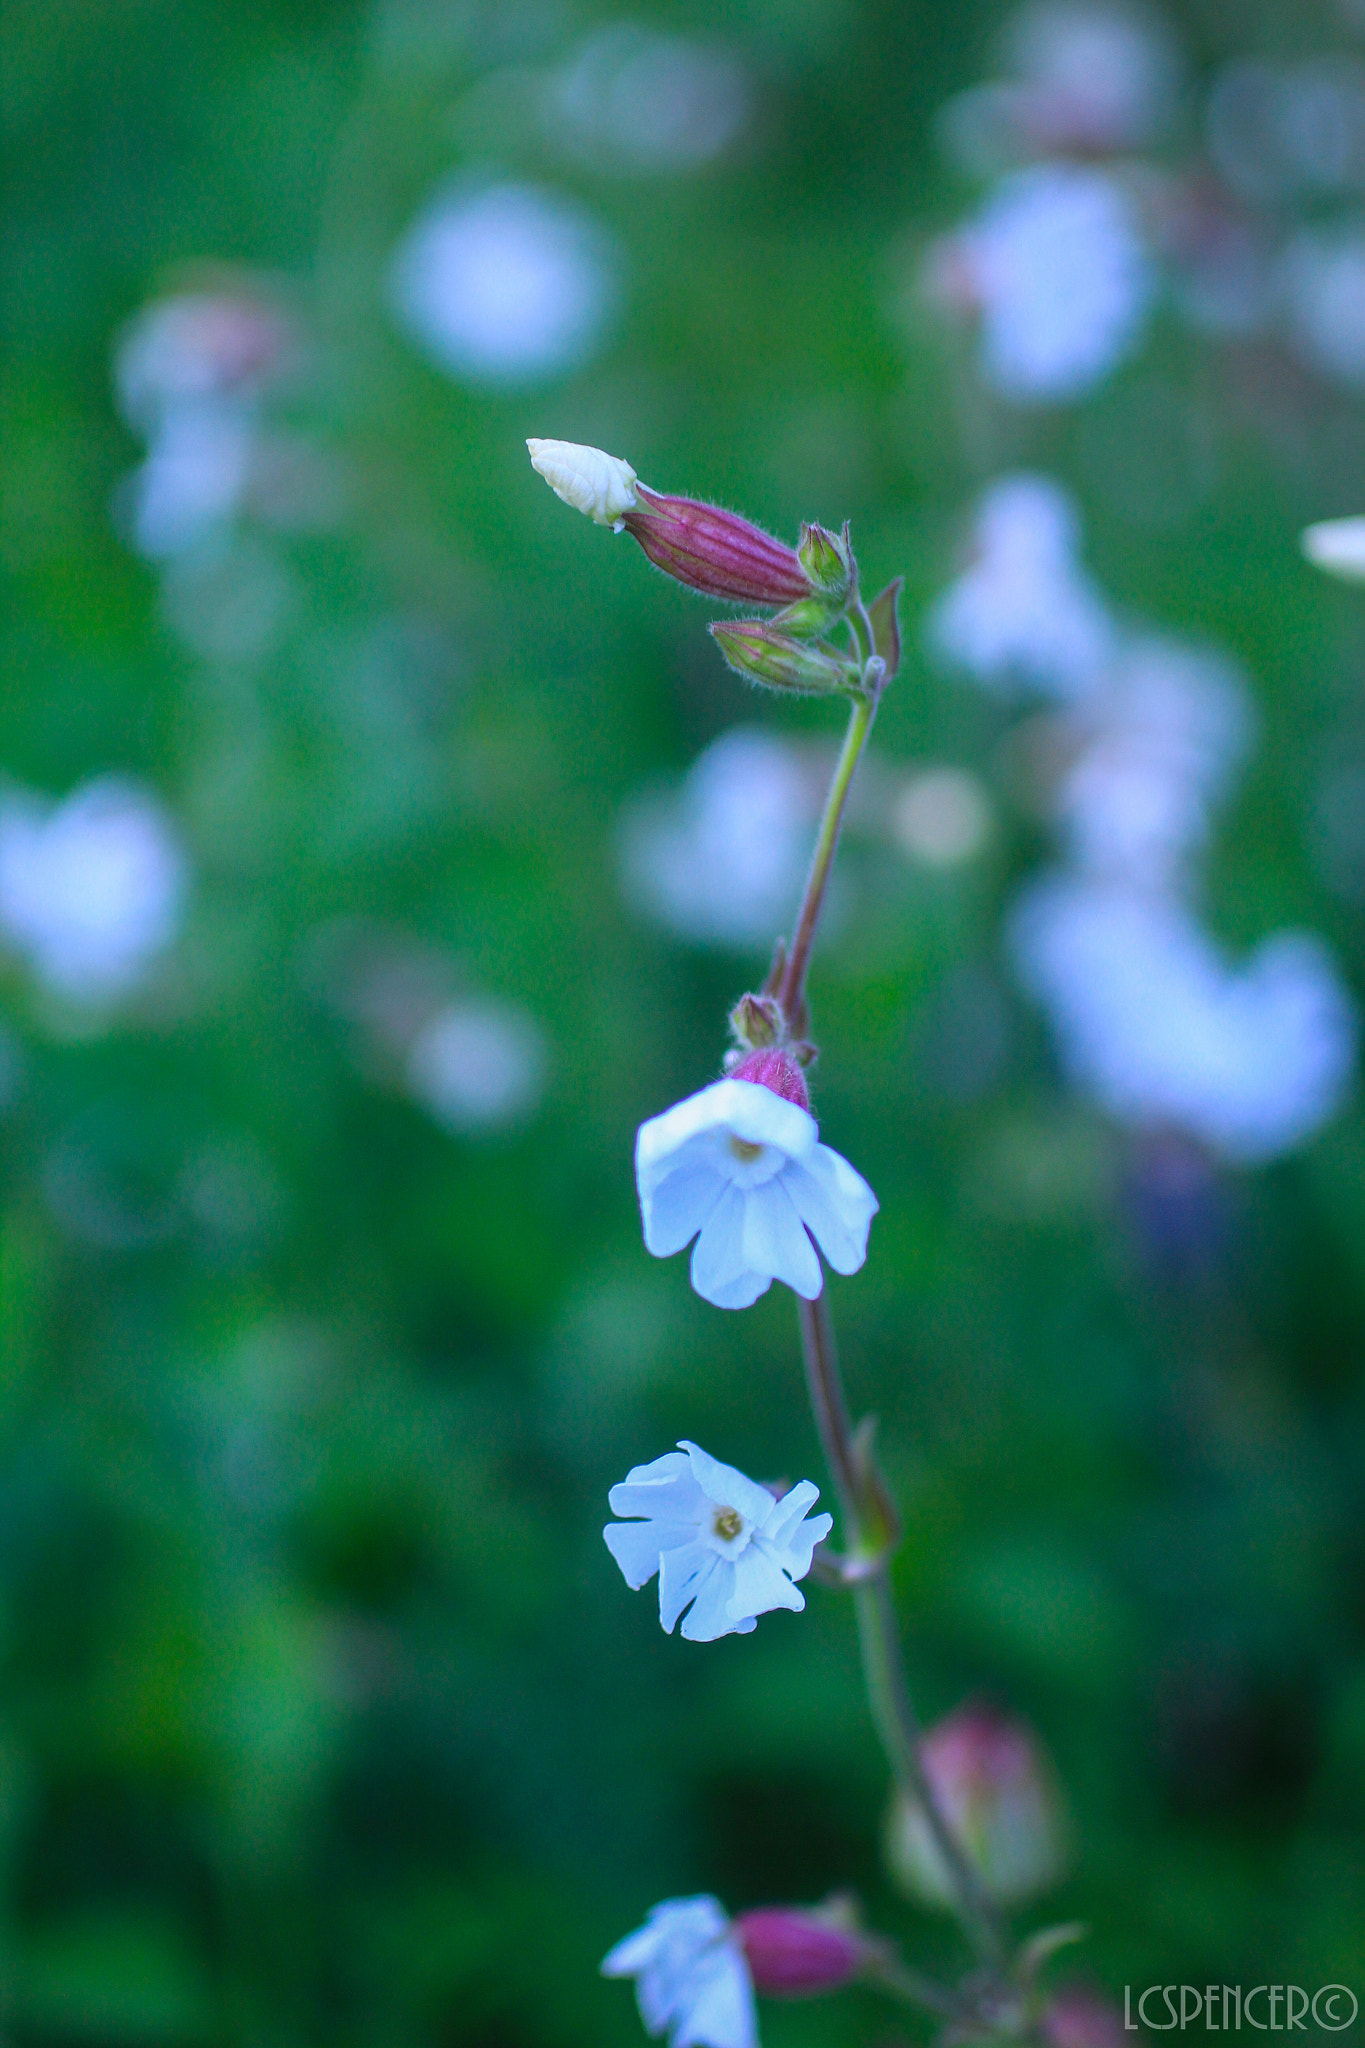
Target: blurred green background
326 1716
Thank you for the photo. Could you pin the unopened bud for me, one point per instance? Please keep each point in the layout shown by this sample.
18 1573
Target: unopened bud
1338 546
827 559
886 630
757 651
757 1022
795 1954
774 1068
997 1792
589 479
716 551
807 619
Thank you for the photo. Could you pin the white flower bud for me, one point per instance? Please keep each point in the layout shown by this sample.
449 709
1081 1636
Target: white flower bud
589 479
1338 546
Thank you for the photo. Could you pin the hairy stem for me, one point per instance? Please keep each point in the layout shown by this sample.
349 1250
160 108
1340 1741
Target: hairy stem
883 1669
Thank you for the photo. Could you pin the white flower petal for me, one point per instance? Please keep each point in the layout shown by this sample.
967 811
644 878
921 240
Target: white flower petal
636 1546
589 479
709 1616
720 2009
696 1921
794 1552
775 1241
760 1585
725 1486
683 1574
836 1205
679 1203
788 1511
741 1108
665 1487
719 1272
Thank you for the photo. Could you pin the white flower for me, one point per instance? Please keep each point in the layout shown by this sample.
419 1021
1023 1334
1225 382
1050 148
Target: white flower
744 1167
721 858
1056 266
1025 611
589 479
691 1979
722 1545
1338 546
1155 1023
511 282
91 889
478 1065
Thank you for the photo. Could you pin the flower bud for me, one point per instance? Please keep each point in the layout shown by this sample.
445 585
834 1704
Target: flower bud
774 1068
795 1954
997 1792
827 559
590 480
716 552
886 631
757 651
757 1022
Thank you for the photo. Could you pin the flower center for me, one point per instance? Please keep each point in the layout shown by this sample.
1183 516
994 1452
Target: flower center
727 1523
746 1154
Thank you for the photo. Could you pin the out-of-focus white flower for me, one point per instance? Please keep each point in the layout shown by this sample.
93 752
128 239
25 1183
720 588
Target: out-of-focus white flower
1324 285
724 1547
1276 131
1024 612
1087 78
91 889
745 1168
588 479
506 283
1153 751
941 817
477 1065
1338 546
691 1979
1056 268
636 99
722 858
1155 1024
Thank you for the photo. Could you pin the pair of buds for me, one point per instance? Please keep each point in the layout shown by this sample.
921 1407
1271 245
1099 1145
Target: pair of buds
811 586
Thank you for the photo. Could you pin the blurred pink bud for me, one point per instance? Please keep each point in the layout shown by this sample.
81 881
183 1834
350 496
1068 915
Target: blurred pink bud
1077 2017
716 551
792 1954
770 1067
998 1793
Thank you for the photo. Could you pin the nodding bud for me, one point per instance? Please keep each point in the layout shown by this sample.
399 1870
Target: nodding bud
827 559
997 1792
761 654
772 1067
757 1022
795 1954
590 480
715 551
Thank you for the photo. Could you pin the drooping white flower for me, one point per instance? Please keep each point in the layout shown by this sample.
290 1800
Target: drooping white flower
691 1979
507 283
91 889
742 1166
589 479
723 1546
1155 1023
1025 612
1056 267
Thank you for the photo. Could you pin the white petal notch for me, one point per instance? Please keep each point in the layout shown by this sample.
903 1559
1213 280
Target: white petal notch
724 1547
691 1978
587 479
743 1171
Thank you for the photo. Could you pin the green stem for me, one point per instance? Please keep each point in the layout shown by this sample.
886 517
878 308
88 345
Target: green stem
791 992
883 1669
